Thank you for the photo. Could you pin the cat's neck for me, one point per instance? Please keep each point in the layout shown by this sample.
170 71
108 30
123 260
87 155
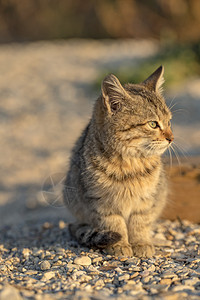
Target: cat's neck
135 163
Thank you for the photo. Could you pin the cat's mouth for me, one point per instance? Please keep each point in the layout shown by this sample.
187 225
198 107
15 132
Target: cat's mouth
147 148
156 147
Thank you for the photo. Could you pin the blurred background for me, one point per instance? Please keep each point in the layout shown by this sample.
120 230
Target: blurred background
48 19
53 56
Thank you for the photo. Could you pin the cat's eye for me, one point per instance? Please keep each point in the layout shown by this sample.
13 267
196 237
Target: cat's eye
153 124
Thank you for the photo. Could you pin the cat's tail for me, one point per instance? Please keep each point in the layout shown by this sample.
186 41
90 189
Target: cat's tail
91 237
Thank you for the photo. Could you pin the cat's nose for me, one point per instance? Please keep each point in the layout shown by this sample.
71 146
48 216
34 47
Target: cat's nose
169 136
170 139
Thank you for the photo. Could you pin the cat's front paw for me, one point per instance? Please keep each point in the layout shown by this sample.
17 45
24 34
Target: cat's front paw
143 250
120 250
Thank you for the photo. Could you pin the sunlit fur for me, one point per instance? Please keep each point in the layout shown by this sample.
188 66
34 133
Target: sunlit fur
116 168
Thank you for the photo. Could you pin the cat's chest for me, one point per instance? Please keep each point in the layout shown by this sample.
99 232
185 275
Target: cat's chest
134 198
124 198
125 190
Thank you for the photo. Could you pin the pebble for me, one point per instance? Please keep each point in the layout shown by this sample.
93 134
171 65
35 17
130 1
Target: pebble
180 236
31 272
151 268
26 252
191 281
97 259
83 260
155 288
144 273
124 277
166 281
182 288
135 274
133 261
45 265
10 293
146 279
168 274
48 275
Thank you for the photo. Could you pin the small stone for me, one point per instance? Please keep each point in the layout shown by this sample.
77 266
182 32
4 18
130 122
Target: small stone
124 277
183 274
123 259
191 281
97 259
47 225
160 236
158 287
83 260
146 279
62 224
135 293
182 288
48 275
169 237
10 292
118 270
26 252
31 272
45 265
179 236
3 268
78 273
151 268
168 274
131 282
134 275
144 273
138 286
133 261
165 281
99 282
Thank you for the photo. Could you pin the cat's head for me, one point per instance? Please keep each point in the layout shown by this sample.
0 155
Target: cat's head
134 118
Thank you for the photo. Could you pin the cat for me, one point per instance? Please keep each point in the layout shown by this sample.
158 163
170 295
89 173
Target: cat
116 168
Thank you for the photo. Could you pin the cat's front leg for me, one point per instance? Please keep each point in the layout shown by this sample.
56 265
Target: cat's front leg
116 223
139 226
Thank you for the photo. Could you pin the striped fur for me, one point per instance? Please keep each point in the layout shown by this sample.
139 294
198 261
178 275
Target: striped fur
116 168
91 237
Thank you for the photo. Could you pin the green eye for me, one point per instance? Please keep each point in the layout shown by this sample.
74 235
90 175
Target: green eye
153 124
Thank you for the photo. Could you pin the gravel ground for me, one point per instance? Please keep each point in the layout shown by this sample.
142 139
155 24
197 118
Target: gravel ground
39 261
46 99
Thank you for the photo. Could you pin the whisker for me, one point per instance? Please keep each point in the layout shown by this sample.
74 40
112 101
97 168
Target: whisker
170 105
170 156
181 146
181 140
176 154
180 110
181 150
173 106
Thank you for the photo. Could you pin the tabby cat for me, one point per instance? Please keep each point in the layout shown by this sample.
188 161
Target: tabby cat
116 168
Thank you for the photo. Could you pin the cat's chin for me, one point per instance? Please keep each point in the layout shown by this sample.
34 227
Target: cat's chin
130 152
160 150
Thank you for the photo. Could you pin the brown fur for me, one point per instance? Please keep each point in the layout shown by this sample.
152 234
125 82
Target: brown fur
116 168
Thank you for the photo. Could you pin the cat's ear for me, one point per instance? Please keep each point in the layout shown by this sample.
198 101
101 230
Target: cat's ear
113 93
155 81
